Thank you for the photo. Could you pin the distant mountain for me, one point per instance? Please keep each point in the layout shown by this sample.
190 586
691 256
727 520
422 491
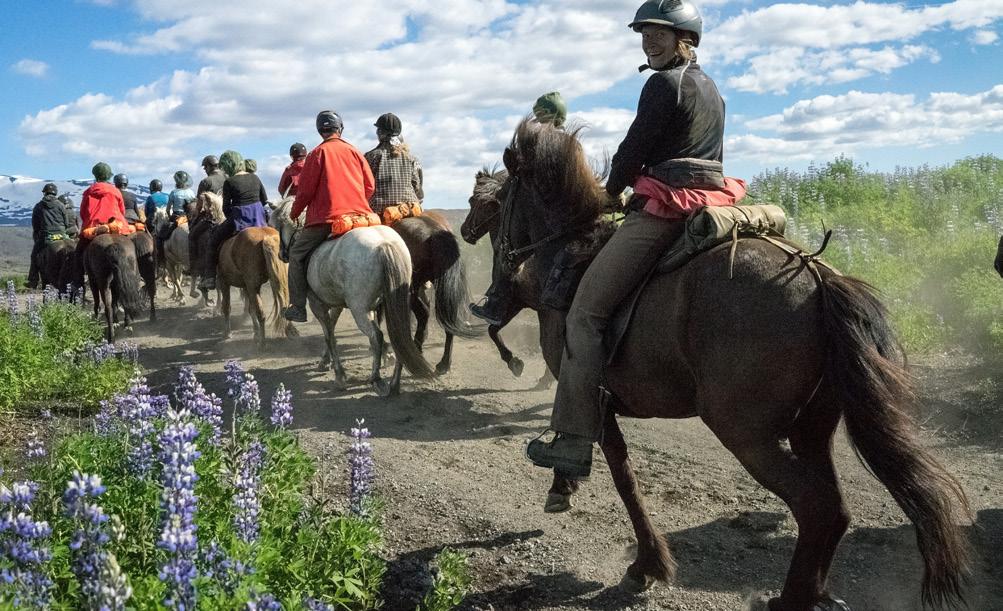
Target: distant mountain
19 194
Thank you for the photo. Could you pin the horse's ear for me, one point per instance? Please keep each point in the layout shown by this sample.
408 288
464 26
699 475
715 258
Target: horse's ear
511 160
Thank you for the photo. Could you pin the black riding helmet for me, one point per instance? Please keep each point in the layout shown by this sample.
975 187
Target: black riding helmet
182 180
297 150
329 122
210 161
50 189
121 181
389 123
156 185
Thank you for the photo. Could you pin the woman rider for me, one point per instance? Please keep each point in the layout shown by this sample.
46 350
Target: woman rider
243 205
679 125
397 172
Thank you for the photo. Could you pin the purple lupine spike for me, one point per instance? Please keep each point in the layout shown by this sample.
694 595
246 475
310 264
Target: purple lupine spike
34 316
263 602
282 407
187 386
102 583
247 505
105 422
215 563
234 378
191 395
23 545
137 411
12 301
312 604
35 448
361 468
178 454
49 295
248 399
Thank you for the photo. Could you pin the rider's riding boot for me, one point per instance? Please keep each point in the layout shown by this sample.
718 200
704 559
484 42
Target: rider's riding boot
490 310
568 455
294 313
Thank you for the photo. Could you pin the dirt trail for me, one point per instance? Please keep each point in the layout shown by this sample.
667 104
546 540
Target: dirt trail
451 471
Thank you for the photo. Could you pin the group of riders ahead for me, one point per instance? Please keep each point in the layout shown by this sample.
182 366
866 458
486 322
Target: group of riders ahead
671 157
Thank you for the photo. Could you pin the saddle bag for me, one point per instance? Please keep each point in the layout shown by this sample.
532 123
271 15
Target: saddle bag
114 227
392 214
347 222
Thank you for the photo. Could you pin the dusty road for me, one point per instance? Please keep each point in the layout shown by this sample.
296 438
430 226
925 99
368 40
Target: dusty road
451 472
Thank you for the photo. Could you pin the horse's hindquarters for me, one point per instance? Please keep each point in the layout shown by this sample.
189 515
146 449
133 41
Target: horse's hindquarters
699 338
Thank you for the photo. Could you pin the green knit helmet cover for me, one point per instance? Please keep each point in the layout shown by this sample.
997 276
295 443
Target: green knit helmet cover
550 108
231 162
251 165
101 172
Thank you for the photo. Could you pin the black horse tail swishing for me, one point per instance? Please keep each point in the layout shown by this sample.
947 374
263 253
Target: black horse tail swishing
875 392
125 279
451 293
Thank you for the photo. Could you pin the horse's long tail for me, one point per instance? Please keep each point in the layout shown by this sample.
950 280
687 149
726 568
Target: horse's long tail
397 308
125 276
451 293
875 392
278 279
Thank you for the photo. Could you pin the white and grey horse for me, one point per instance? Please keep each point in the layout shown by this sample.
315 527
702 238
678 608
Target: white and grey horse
363 270
176 248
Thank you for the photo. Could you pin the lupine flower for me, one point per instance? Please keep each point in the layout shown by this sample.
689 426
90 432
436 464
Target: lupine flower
178 503
102 583
282 407
34 317
312 604
50 294
35 447
22 543
248 400
160 404
263 602
191 395
137 411
217 565
360 467
247 506
234 377
11 301
104 422
128 352
46 414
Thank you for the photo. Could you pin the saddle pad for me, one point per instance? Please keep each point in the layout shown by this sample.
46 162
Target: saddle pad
706 229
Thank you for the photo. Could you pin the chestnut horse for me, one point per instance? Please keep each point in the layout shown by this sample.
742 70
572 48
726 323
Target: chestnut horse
779 353
483 218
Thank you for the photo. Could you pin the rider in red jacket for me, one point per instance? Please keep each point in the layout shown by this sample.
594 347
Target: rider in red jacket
291 175
335 181
100 204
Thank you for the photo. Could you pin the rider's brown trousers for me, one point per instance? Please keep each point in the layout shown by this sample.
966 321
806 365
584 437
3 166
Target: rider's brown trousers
618 269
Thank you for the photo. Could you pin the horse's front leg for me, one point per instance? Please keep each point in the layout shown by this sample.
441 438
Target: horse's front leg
443 366
559 495
515 364
654 561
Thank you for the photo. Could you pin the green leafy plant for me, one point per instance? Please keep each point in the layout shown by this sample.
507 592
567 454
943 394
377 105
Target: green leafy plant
450 583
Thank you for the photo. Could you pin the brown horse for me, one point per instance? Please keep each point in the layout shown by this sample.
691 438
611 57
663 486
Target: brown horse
435 257
483 218
247 261
813 347
113 274
146 261
55 263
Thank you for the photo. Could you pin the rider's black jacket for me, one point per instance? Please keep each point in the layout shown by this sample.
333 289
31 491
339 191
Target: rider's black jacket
680 114
131 205
49 217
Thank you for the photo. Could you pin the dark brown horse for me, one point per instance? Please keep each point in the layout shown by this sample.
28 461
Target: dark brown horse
113 274
435 257
483 219
55 264
146 262
998 264
778 354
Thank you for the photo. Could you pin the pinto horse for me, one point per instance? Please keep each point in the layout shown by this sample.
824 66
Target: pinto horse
113 274
364 270
814 347
435 258
483 218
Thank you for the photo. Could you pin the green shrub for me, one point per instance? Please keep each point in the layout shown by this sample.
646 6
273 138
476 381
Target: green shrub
450 584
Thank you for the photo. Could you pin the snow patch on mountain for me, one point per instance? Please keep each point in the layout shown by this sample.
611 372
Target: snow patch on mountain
19 194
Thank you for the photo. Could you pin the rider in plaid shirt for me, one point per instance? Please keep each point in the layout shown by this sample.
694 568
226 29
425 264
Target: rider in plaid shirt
398 173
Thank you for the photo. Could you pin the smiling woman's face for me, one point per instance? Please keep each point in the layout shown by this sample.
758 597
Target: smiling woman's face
659 45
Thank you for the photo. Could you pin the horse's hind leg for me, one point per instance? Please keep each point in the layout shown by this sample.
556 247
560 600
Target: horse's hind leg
805 483
420 308
253 300
654 561
366 321
447 356
109 308
224 301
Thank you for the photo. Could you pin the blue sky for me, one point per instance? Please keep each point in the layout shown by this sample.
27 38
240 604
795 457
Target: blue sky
152 85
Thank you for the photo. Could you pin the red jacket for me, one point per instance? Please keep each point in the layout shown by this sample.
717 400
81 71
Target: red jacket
101 203
291 177
335 180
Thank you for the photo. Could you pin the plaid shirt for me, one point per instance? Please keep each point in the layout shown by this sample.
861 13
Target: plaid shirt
398 179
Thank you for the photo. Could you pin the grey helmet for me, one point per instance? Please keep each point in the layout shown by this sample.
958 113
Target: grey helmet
121 181
677 14
182 180
50 189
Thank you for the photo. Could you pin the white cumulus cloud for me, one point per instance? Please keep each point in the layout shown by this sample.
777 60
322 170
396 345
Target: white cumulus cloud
30 67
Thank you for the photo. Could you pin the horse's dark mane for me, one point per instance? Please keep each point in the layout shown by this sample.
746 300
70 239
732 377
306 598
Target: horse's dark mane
489 182
556 162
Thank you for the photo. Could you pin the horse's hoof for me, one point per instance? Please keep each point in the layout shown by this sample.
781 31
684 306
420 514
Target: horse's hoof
515 365
631 585
383 388
828 603
441 369
324 366
557 503
544 383
291 331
